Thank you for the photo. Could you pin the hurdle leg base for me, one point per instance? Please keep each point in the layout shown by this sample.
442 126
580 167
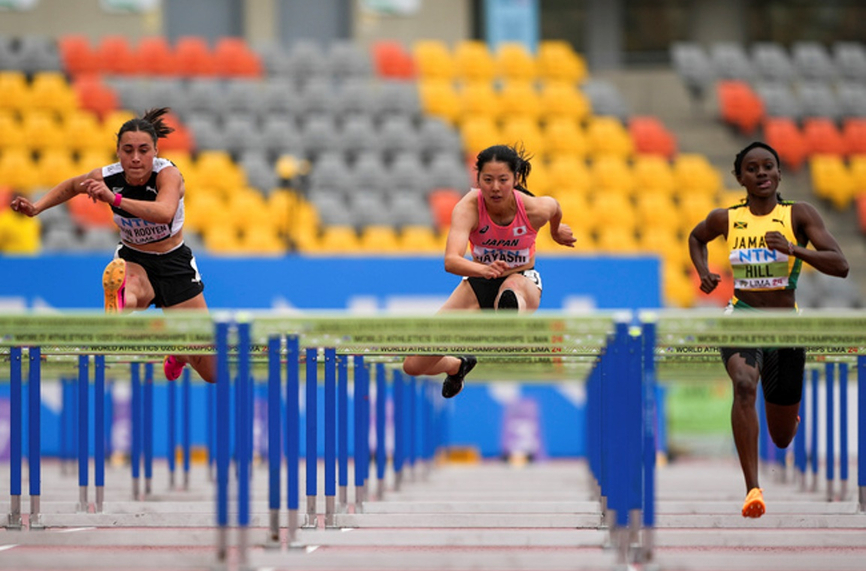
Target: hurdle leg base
36 513
14 519
148 487
343 503
398 480
330 510
829 496
273 540
293 542
243 544
222 547
100 499
136 490
380 489
360 498
863 499
312 518
82 500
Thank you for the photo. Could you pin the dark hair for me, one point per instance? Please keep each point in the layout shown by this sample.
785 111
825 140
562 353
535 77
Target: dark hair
738 161
516 159
151 123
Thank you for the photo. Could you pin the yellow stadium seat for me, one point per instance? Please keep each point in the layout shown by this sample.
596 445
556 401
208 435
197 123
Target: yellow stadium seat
694 207
84 131
55 166
611 209
433 59
223 241
607 136
94 158
338 240
665 242
473 61
557 60
653 173
519 99
616 239
479 99
832 181
217 170
611 172
200 207
857 168
42 130
248 208
677 287
694 172
563 99
14 91
656 209
50 91
11 131
19 171
440 99
377 239
538 182
478 133
19 234
513 61
262 240
568 173
573 204
564 136
421 240
524 131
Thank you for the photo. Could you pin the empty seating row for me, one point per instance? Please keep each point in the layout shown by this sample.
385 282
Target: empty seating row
188 56
837 180
268 96
700 66
796 143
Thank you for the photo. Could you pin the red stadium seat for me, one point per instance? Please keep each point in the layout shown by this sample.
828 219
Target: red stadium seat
739 105
783 135
823 137
156 57
194 57
77 54
94 95
854 135
234 58
651 137
392 60
116 55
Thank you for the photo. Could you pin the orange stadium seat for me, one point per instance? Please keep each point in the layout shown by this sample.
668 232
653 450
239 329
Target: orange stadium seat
77 54
181 139
854 134
782 134
442 202
739 105
89 214
823 137
392 60
116 55
234 58
95 95
156 57
194 57
650 136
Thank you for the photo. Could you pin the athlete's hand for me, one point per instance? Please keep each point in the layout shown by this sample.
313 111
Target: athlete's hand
97 191
776 241
709 282
564 236
23 206
494 270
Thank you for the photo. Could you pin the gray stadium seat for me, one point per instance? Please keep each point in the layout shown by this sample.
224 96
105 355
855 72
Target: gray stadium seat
242 133
206 130
411 210
605 99
397 97
397 133
850 60
244 96
852 99
306 61
60 239
133 93
358 133
731 61
274 58
813 61
99 240
279 96
772 62
355 96
316 97
446 170
347 60
694 66
206 94
330 173
779 100
281 136
836 293
333 208
369 174
435 136
167 92
34 53
259 171
370 209
319 134
408 176
818 99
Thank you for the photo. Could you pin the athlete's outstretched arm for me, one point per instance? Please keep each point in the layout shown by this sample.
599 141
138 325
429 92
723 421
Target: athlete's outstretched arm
64 191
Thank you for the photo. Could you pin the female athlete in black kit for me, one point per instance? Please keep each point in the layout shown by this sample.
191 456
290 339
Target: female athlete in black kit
151 265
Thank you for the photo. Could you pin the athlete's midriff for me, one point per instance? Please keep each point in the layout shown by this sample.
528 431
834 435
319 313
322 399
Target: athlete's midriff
160 247
782 298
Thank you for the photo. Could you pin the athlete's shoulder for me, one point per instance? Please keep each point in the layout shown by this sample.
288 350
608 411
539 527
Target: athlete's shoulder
112 169
160 163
